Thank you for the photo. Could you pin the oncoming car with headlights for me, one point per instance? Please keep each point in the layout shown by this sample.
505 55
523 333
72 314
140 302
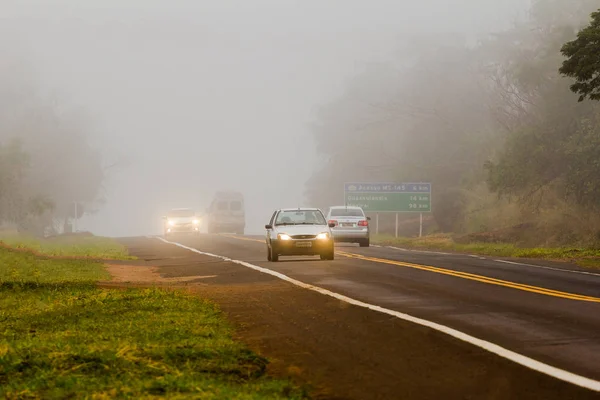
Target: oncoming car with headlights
181 220
299 231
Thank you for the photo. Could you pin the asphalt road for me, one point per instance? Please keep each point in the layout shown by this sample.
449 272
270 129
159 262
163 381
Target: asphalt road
547 312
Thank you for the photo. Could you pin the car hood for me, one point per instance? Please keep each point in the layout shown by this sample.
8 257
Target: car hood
182 220
302 229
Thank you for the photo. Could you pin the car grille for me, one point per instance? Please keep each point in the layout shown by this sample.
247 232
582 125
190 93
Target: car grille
304 236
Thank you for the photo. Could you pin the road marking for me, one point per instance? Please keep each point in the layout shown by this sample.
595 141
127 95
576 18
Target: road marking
241 238
467 275
520 359
451 254
550 268
420 251
478 278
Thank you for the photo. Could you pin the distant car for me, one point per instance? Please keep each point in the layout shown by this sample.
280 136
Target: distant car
181 220
226 213
350 225
299 231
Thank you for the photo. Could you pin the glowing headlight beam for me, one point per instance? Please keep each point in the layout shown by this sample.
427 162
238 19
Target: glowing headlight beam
283 236
323 235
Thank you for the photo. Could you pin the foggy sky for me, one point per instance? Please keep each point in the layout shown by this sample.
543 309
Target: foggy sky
209 95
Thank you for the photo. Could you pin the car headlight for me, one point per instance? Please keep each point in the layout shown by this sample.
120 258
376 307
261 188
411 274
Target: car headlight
171 223
196 221
283 236
323 235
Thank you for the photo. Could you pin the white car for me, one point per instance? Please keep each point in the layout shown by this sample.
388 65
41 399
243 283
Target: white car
181 220
299 231
350 225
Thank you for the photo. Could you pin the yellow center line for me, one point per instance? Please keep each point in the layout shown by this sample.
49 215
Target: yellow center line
458 274
242 238
478 278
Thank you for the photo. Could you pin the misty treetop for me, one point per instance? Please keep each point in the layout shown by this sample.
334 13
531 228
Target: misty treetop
493 126
583 60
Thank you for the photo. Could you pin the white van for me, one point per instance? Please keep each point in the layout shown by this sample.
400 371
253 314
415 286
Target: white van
226 213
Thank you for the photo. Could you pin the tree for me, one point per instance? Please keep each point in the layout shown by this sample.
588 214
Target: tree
583 60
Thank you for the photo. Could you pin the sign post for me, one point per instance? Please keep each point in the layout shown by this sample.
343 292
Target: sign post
388 197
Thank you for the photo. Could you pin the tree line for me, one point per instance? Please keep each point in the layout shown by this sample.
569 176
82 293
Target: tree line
47 165
507 130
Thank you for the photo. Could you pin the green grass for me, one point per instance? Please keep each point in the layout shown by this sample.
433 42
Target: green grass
582 256
63 337
70 246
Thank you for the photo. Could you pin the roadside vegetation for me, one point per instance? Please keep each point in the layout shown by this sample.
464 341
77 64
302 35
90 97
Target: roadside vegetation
87 246
505 127
63 337
586 257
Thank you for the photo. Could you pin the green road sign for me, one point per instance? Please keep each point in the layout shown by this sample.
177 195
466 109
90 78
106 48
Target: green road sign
389 197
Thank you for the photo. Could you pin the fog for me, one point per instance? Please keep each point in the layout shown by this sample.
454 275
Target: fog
197 96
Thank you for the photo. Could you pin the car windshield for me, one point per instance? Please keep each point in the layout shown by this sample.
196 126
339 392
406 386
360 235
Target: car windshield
300 217
180 213
347 212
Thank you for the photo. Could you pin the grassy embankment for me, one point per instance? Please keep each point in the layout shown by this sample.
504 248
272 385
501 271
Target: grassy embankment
68 246
61 336
586 257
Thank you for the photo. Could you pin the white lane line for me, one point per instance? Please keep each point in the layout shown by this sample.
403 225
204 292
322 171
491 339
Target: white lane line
421 251
550 268
525 361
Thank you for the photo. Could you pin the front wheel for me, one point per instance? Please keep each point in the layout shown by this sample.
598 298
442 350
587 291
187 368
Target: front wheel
330 255
272 256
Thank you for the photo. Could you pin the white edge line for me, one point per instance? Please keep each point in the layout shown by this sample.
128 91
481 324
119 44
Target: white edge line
551 268
420 251
525 361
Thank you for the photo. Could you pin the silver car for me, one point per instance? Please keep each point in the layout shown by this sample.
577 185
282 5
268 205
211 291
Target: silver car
299 231
350 224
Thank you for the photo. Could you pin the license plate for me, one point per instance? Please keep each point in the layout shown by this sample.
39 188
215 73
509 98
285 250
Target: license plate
303 244
347 225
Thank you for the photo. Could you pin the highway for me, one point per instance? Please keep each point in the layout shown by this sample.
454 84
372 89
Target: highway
387 323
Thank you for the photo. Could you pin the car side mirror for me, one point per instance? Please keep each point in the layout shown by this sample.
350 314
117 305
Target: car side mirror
368 218
268 226
331 225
